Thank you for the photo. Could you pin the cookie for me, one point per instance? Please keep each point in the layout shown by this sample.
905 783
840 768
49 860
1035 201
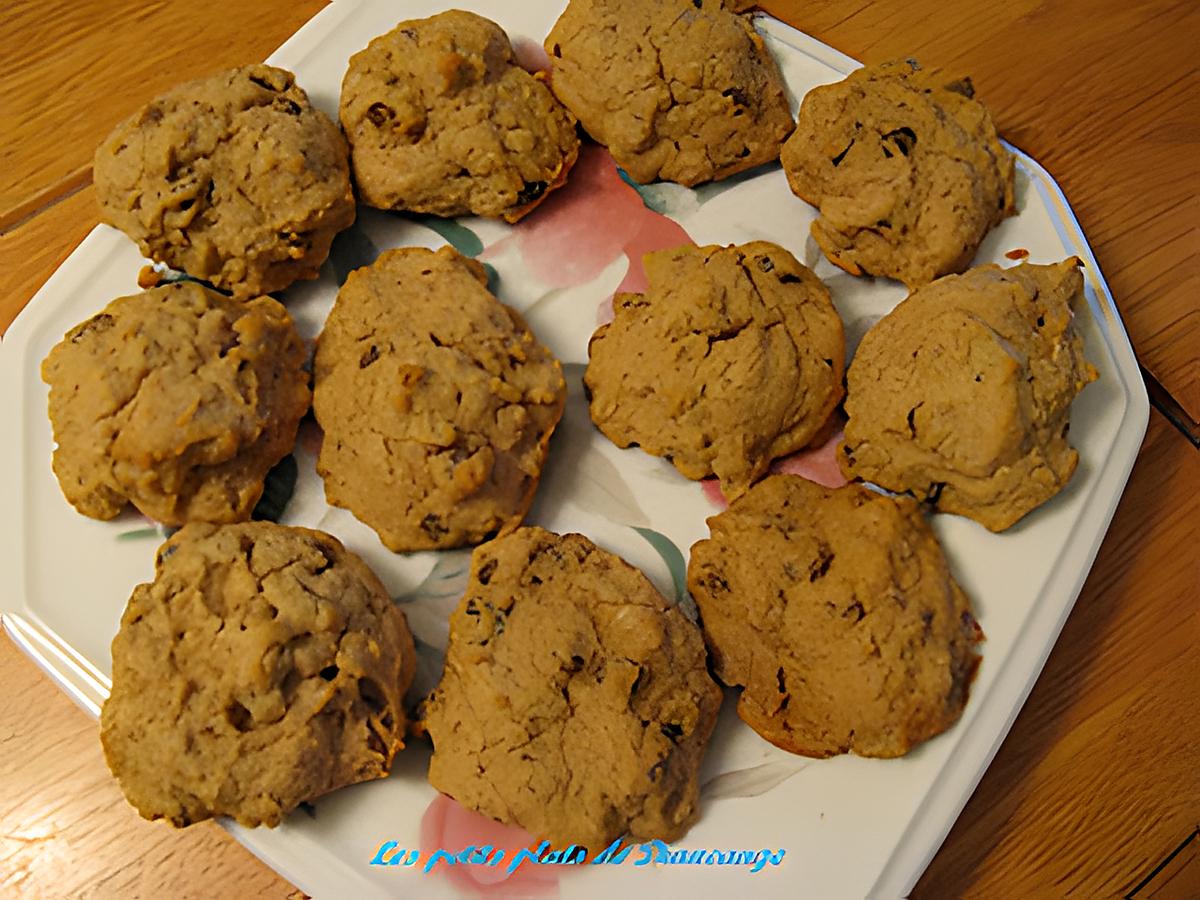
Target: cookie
678 90
835 612
263 667
441 119
906 168
436 399
178 400
235 179
732 357
575 701
961 395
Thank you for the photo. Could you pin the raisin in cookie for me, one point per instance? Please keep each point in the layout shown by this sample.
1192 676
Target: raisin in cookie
681 90
436 399
263 667
442 120
906 168
835 611
961 394
177 399
575 700
235 179
732 357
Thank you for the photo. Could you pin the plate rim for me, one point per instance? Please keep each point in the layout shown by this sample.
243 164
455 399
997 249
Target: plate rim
938 809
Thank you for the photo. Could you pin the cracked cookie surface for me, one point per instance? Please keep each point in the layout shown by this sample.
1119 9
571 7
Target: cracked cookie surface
235 179
441 119
962 394
575 700
681 90
436 399
178 400
835 611
906 168
732 357
263 667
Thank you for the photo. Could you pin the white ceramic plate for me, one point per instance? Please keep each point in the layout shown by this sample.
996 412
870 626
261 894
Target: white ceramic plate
850 827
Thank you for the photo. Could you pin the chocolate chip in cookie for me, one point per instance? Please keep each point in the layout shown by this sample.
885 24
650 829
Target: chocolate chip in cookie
733 357
441 119
836 614
236 179
575 700
437 402
262 668
961 395
178 400
678 90
906 168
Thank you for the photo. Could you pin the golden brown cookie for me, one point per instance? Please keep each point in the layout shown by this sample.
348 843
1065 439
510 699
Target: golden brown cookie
441 119
732 357
961 395
906 168
235 179
178 400
681 90
575 700
263 667
436 399
835 612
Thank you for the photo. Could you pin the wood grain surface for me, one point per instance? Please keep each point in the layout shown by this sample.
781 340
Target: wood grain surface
1099 778
71 71
65 829
1099 781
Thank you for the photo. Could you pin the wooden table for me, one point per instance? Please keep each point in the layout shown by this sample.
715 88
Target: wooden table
1097 787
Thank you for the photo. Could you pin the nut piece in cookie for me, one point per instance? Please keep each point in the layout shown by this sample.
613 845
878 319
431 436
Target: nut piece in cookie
441 119
732 357
835 612
235 179
961 395
906 168
178 400
436 399
263 667
575 700
681 90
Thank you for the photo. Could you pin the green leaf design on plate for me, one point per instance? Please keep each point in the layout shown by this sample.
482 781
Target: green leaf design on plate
654 200
173 276
600 488
278 490
160 531
493 282
676 201
460 237
708 190
751 782
138 533
428 607
447 578
430 662
351 250
671 556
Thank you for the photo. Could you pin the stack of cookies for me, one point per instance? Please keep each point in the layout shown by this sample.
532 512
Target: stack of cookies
266 665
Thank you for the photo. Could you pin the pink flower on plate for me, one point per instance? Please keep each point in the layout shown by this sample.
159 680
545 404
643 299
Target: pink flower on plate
448 825
817 464
589 222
